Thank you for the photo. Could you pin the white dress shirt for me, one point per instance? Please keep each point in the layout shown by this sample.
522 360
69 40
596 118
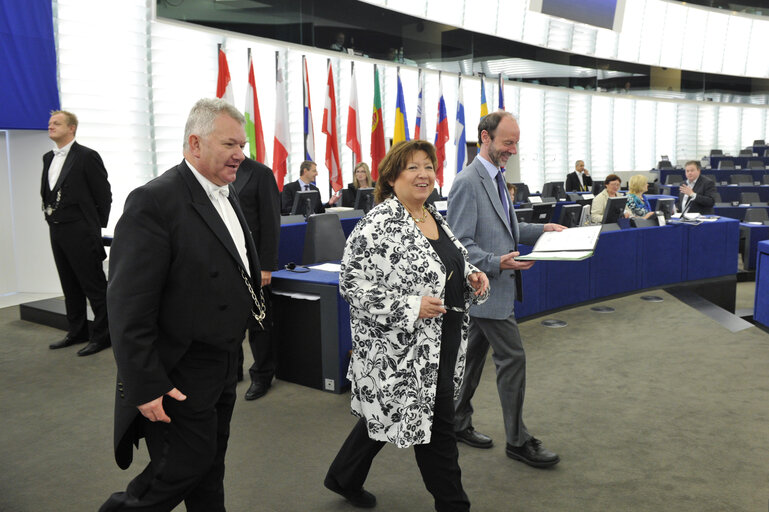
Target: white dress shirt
59 156
219 198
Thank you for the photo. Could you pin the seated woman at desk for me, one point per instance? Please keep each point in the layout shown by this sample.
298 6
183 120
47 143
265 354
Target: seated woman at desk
611 189
637 204
361 178
409 285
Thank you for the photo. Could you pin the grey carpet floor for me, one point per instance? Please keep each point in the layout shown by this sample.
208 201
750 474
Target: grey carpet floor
655 407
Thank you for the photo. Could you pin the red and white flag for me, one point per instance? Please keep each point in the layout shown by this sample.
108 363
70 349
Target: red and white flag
353 125
282 141
223 82
254 131
329 128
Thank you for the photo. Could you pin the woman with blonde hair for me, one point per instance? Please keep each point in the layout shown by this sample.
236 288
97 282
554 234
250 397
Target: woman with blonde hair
637 204
361 177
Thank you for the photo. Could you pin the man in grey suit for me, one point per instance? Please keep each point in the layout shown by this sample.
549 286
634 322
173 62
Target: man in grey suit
481 215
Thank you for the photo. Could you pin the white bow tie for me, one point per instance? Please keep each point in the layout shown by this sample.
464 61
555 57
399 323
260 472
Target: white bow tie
222 191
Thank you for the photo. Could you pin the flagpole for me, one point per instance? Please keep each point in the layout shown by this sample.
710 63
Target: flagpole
330 189
352 73
304 95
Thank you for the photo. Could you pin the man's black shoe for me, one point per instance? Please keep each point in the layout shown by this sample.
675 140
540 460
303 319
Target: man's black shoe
533 453
66 342
93 348
257 389
474 438
359 498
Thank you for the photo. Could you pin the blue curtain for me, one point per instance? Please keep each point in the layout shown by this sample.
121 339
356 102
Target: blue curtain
28 90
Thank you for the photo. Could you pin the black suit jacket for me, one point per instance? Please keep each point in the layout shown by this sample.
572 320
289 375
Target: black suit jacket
572 182
287 197
175 277
260 200
85 191
706 197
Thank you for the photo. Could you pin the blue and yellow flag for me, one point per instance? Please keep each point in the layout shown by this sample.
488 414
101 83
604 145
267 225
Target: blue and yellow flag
401 132
484 105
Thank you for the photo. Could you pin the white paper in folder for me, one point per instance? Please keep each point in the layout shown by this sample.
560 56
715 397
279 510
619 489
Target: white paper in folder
296 295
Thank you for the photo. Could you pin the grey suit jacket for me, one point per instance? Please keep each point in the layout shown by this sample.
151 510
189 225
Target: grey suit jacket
477 218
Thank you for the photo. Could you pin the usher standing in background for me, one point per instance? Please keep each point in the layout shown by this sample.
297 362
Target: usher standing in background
260 201
579 180
76 202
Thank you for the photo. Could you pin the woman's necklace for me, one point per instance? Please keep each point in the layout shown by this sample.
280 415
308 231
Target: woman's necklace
424 215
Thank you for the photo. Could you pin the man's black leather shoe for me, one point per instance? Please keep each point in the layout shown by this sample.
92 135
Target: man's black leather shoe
474 438
533 453
359 498
66 342
93 348
257 389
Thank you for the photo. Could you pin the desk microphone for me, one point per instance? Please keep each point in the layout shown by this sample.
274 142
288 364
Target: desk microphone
293 267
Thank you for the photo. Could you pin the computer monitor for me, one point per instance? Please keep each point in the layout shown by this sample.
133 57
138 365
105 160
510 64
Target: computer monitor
306 202
364 199
521 192
524 214
348 197
597 187
570 214
615 209
543 212
666 205
554 189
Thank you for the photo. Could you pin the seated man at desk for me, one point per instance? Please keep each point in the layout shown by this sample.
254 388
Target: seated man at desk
308 170
697 194
579 180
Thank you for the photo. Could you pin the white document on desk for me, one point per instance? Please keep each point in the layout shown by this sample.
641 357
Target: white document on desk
572 244
328 267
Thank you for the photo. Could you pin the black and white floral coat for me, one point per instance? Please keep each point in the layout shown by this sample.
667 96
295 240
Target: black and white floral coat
388 266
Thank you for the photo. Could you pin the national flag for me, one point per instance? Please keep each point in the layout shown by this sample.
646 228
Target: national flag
484 105
401 132
254 130
460 138
501 104
223 81
441 134
329 128
282 140
353 126
377 129
309 132
418 131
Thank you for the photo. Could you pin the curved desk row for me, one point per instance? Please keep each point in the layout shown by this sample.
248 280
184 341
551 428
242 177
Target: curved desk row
624 261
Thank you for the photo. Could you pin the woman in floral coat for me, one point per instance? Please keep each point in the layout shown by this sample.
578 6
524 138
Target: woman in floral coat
409 286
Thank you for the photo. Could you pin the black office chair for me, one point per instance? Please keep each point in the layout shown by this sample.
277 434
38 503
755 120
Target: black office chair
664 164
324 239
711 177
640 222
746 153
654 188
741 179
716 152
756 215
756 164
726 164
749 198
674 179
720 202
759 142
765 179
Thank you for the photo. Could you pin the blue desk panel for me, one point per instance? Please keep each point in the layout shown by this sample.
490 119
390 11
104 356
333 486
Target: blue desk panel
660 256
711 249
735 212
761 301
754 234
